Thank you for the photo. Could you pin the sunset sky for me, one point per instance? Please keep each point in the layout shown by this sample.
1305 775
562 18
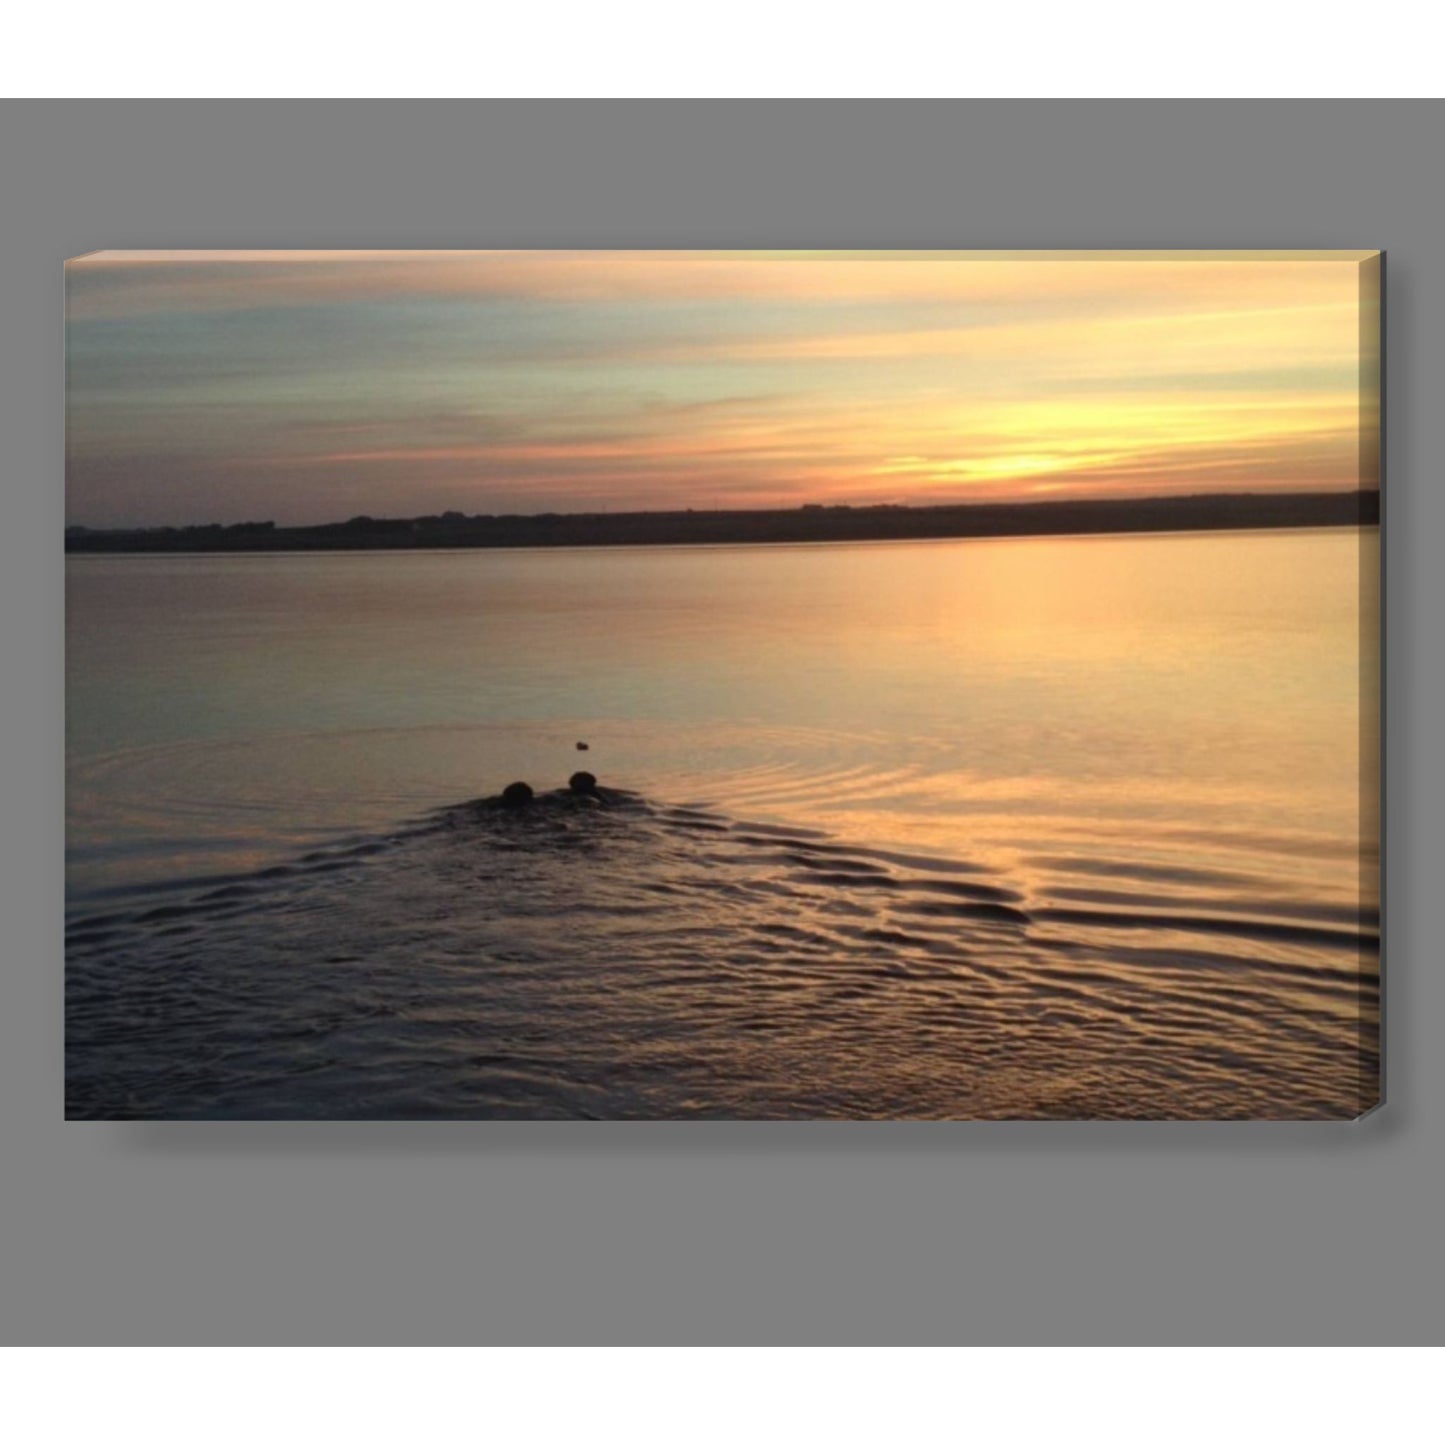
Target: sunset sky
310 386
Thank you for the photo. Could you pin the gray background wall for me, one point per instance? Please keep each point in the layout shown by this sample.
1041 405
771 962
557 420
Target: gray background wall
724 1233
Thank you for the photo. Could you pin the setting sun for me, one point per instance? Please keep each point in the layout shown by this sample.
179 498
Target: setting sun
308 386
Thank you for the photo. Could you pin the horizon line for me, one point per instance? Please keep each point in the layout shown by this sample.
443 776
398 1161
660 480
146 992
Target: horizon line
456 515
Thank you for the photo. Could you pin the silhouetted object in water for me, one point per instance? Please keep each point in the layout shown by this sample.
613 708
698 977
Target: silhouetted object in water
582 793
581 747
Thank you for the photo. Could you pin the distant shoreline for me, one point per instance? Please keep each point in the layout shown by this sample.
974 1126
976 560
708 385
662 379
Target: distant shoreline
1237 511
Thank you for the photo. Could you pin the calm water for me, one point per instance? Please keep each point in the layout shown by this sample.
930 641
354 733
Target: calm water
1006 828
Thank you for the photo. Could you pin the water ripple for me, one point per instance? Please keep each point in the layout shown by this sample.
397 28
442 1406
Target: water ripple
642 960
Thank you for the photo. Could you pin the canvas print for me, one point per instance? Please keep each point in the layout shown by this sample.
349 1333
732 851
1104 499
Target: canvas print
723 685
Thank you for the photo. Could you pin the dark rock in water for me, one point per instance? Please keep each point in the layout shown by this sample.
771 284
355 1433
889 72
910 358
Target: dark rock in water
581 747
516 795
582 783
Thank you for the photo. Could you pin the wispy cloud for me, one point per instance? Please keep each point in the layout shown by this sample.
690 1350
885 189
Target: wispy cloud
294 384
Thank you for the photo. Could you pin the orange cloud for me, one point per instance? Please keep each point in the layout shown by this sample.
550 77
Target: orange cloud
654 378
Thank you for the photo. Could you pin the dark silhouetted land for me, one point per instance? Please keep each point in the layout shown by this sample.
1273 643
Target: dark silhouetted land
801 524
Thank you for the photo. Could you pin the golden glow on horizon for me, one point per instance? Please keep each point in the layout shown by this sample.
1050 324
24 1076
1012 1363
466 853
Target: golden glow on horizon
306 385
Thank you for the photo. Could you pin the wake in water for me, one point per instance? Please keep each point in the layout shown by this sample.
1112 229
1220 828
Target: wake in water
618 958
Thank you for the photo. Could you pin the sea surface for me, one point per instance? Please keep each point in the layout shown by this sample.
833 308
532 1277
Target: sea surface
1009 828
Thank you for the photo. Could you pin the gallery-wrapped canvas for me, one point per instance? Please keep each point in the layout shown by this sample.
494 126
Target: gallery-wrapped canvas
744 685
